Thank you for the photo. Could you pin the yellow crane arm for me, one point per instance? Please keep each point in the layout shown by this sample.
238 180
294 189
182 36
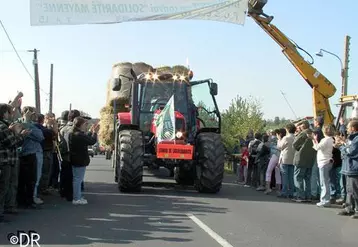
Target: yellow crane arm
322 88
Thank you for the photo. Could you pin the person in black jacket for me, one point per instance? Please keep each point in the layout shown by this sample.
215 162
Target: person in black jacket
262 160
79 157
335 173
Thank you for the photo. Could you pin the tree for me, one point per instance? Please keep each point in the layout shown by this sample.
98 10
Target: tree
277 121
85 114
242 116
207 116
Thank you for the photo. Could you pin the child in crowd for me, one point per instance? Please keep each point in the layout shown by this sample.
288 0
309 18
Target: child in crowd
244 162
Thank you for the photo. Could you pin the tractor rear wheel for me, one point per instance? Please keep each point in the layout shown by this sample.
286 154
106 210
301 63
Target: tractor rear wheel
129 161
210 153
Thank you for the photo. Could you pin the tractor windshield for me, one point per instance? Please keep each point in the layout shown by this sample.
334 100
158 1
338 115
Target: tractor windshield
155 95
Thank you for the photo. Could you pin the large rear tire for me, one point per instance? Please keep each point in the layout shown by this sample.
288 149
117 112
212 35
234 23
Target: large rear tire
129 160
210 156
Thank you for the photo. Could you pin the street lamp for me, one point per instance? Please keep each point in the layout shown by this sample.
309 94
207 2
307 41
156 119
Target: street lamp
343 72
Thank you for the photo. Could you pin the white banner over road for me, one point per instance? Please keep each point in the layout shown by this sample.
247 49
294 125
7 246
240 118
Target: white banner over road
76 12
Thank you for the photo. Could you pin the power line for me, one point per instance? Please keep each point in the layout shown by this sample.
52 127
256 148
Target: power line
13 51
289 105
17 54
14 48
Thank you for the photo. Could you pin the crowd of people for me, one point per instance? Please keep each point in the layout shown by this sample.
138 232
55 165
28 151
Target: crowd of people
40 154
308 163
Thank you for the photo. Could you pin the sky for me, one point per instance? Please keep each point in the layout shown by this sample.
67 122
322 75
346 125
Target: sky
243 60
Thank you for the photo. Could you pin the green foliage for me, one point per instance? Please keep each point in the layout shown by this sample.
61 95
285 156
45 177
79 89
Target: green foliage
276 123
242 116
205 114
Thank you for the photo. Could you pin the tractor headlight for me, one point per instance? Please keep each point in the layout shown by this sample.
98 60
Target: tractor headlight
179 134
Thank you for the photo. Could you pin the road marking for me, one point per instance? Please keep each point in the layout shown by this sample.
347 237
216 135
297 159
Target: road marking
208 230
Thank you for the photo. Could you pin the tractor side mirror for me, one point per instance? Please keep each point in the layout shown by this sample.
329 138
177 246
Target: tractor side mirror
214 88
116 84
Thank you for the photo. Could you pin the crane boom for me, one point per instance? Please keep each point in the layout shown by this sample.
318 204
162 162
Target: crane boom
322 88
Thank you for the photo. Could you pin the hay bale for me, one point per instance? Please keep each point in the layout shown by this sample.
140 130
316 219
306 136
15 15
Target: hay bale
163 69
124 69
141 67
106 129
180 69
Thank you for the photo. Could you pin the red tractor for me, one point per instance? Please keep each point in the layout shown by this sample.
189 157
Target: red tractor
195 156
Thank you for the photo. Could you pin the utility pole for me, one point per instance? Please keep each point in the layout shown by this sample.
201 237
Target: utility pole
345 66
37 81
70 106
51 90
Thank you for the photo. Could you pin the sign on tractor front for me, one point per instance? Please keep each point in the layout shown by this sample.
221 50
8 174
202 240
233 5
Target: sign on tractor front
175 151
76 12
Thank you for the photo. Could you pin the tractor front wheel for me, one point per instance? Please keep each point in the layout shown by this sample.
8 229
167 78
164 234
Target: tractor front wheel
210 158
129 160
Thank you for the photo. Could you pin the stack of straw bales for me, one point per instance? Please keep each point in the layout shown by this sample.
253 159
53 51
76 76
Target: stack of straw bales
121 98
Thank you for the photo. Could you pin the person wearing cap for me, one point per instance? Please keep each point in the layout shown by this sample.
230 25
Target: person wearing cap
303 161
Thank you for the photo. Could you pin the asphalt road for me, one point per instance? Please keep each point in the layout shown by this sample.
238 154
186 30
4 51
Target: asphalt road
168 215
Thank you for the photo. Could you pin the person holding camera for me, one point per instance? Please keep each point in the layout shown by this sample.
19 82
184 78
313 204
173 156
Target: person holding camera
11 138
79 140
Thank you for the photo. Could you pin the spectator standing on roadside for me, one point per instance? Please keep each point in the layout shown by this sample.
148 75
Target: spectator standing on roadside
262 160
339 141
11 196
236 161
28 161
349 152
273 163
286 161
303 161
79 140
47 146
315 180
11 137
325 162
244 163
51 124
66 176
252 169
335 174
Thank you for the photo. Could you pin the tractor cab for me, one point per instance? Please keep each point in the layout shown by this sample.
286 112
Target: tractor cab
154 93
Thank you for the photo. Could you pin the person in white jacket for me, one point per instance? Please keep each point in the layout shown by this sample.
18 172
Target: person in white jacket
286 161
325 162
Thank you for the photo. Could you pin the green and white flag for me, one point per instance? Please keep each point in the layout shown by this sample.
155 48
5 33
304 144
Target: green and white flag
165 122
